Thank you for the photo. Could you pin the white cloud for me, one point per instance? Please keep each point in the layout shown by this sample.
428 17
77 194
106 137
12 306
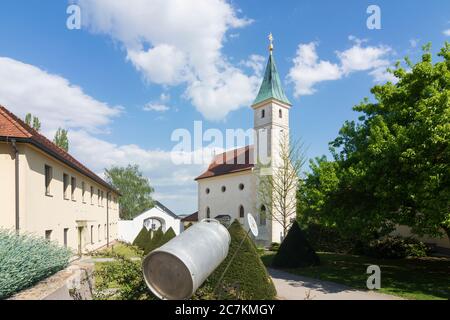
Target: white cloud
173 42
308 70
446 32
58 103
156 107
359 58
27 88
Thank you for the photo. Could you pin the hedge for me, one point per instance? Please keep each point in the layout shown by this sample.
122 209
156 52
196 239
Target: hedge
27 259
141 239
154 242
295 251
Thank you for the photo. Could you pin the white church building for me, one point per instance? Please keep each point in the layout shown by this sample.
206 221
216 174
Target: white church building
229 186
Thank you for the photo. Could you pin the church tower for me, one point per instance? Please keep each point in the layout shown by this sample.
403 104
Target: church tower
271 115
271 124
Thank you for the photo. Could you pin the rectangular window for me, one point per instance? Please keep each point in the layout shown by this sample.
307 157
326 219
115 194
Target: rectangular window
65 185
98 197
92 234
92 195
48 179
104 231
99 238
48 235
83 191
66 231
73 187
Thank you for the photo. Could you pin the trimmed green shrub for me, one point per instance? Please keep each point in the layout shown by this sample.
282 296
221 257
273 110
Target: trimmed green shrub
169 235
245 279
27 259
295 251
154 242
142 238
395 248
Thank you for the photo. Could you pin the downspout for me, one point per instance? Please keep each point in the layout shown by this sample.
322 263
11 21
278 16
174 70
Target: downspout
16 160
107 218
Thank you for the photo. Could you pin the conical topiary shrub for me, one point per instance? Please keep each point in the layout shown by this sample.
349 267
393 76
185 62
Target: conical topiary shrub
142 238
169 235
245 279
153 243
295 251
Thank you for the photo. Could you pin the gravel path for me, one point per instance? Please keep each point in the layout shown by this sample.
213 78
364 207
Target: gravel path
294 287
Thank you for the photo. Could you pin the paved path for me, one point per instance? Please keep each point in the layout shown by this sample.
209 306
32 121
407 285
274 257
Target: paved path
294 287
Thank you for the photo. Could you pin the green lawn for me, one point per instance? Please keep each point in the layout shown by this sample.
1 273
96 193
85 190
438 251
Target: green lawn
423 278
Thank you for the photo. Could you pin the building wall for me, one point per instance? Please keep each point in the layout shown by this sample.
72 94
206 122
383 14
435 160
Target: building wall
40 212
129 229
405 231
7 187
228 202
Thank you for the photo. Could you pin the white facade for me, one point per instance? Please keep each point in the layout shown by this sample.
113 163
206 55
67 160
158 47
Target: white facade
157 217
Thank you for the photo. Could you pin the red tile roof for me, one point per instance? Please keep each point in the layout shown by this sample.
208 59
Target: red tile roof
11 127
191 218
232 161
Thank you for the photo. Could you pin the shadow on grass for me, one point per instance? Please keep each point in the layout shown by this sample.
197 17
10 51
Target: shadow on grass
423 278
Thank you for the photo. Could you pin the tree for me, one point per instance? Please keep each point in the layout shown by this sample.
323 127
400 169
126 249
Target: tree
33 122
393 166
277 191
135 190
61 139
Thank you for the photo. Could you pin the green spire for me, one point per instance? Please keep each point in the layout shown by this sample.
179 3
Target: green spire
271 85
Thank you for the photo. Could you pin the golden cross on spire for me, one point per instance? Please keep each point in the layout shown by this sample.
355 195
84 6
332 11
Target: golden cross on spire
271 42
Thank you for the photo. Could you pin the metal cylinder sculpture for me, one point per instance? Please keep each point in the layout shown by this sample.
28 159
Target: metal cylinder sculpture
178 268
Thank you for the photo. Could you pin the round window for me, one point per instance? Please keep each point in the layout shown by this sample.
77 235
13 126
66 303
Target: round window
241 186
224 189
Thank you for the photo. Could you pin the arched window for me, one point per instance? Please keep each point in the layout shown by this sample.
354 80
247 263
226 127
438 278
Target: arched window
241 186
280 113
208 213
207 190
241 212
262 216
224 188
263 113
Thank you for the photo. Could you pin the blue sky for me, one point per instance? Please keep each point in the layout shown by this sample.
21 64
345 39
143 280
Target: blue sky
138 70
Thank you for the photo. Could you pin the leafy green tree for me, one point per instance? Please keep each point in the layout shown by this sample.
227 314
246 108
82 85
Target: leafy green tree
135 189
33 121
393 165
61 139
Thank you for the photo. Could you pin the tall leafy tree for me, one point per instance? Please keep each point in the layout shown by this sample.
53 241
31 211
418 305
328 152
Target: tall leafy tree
61 139
135 189
33 121
393 165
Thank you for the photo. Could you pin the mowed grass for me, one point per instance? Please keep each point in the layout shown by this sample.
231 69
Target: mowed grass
421 278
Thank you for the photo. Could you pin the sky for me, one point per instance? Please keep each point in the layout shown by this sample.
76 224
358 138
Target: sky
136 71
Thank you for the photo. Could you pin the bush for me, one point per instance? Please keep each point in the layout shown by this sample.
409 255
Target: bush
142 238
328 239
169 235
27 259
274 246
152 244
295 251
395 248
246 278
121 280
